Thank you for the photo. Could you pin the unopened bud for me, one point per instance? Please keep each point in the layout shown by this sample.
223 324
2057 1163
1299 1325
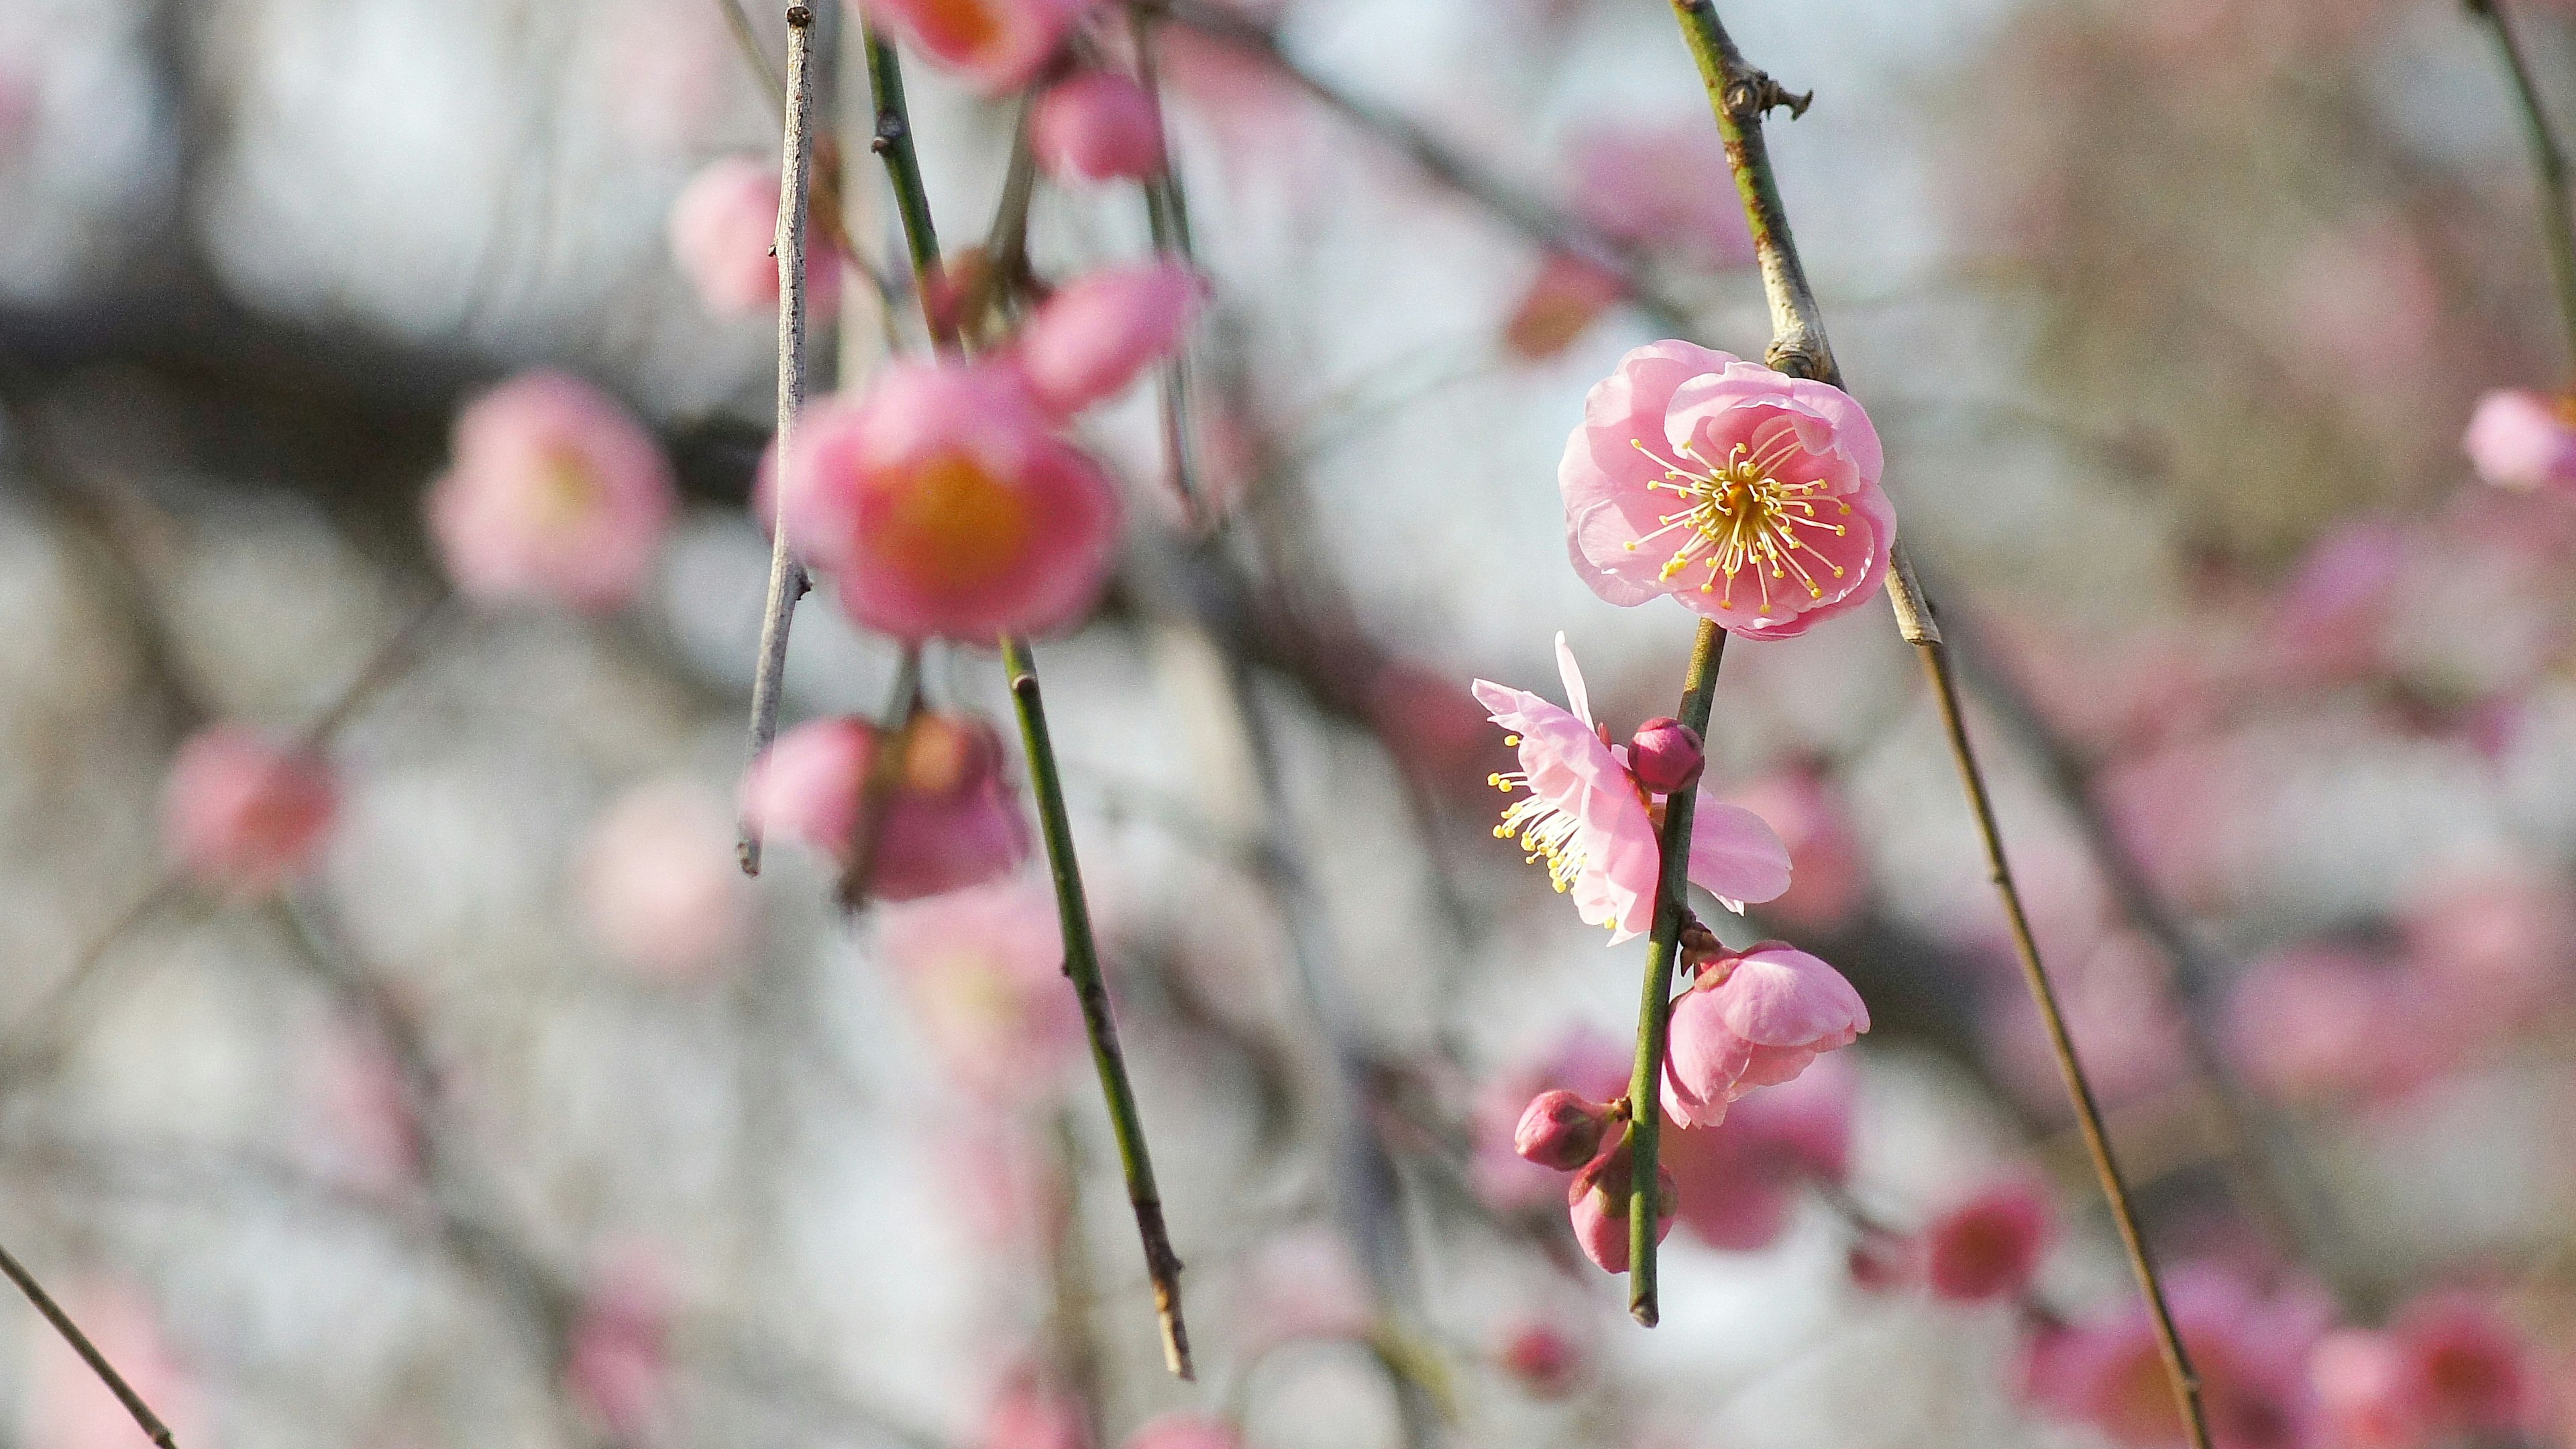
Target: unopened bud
1665 755
1561 1130
1543 1358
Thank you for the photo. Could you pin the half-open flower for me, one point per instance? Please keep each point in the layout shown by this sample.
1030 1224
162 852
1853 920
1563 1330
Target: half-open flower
1754 1020
947 819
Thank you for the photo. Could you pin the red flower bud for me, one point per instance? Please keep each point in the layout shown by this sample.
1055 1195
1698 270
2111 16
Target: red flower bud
1665 755
1561 1130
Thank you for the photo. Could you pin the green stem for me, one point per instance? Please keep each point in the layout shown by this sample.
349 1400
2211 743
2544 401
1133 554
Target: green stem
2548 164
893 143
1654 1006
1167 221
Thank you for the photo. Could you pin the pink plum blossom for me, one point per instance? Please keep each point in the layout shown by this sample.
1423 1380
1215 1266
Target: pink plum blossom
949 820
1596 1198
996 45
1589 1063
1561 303
657 885
1666 755
1740 1181
2492 944
945 506
724 226
2330 615
617 1360
1101 331
1590 820
1186 1431
1026 1415
1305 1284
2521 439
367 1134
552 492
2475 1366
1542 1358
1988 1246
1750 496
241 814
1096 126
984 968
2251 1353
1754 1019
2369 1393
1664 187
2320 1023
1560 1130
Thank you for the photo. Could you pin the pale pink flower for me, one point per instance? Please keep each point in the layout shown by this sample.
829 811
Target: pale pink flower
1988 1246
1740 1181
2251 1353
1665 187
724 226
1832 882
2476 1367
945 506
2492 946
657 885
1754 1019
2370 1393
1590 820
1542 1358
1750 496
1027 1415
552 492
984 968
1100 332
1186 1431
2518 438
241 814
1096 126
368 1136
1597 1201
949 819
1586 1062
2319 1023
64 1404
997 45
617 1359
1561 303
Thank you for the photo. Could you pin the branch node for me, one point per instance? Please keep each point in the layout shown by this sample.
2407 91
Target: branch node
799 16
1753 94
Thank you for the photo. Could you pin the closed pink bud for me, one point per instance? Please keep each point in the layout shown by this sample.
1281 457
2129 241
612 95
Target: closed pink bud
724 230
1754 1020
1097 126
1988 1246
1597 1200
1665 755
1543 1358
553 492
240 813
1560 1130
1100 332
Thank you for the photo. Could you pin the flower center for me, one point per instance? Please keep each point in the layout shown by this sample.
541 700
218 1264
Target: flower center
952 527
1546 832
960 27
568 494
1741 515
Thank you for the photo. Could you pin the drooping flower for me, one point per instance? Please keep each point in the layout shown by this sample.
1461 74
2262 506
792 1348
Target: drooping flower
984 969
1591 1064
997 45
1750 496
1096 126
945 506
1562 302
724 226
1988 1246
1740 1181
552 492
2518 438
1597 1200
1754 1019
1589 819
241 813
949 820
657 885
1100 332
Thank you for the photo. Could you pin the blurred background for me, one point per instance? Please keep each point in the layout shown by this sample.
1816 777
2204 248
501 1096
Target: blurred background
522 1118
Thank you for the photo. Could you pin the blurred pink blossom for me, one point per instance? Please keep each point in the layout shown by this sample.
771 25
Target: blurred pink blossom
1561 303
1663 187
949 818
1740 1180
1988 1246
65 1405
241 814
1597 1200
2518 438
2251 1352
1587 817
617 1358
1695 474
996 45
1586 1062
723 228
2329 617
657 885
369 1137
1100 332
945 506
1027 1415
2492 946
984 967
2370 1393
2475 1366
2319 1023
2124 1023
552 492
1832 880
1754 1019
1096 126
1305 1284
1542 1358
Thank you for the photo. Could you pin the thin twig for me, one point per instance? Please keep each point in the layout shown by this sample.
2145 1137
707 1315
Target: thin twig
1167 221
1740 96
1655 999
892 142
148 1421
786 575
2548 164
747 41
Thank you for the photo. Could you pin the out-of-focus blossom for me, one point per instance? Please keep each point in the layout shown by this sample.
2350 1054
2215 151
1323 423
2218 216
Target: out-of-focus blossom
948 821
2475 1366
2251 1353
241 814
1100 332
1186 1431
1832 878
1096 126
1542 1358
1562 302
2321 1023
1560 1130
657 884
65 1405
2123 1019
552 492
369 1136
1750 496
1009 1185
945 506
617 1360
2521 439
997 45
1988 1246
1432 727
1664 187
984 966
2370 1393
1754 1019
1027 1415
1587 817
1739 1181
2329 617
724 226
1585 1062
1597 1200
1305 1284
2492 946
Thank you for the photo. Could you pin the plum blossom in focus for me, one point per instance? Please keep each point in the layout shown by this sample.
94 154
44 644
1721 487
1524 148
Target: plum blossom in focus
2521 439
1754 1019
1750 496
724 226
1096 126
948 821
1100 332
945 506
984 969
553 492
241 814
657 884
1593 824
996 45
